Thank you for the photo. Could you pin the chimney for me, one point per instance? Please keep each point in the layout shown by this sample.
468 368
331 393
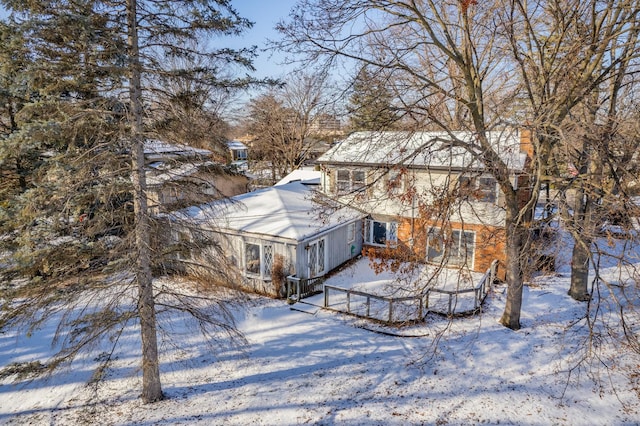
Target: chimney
525 143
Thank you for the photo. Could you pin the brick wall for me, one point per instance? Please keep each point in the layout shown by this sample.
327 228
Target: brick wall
489 242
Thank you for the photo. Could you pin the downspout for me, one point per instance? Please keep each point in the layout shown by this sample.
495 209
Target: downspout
413 218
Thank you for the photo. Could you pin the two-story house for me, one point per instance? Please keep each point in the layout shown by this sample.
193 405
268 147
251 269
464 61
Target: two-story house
425 194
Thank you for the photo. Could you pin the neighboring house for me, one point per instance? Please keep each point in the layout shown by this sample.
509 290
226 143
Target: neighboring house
239 154
238 151
314 148
326 125
423 195
307 232
180 175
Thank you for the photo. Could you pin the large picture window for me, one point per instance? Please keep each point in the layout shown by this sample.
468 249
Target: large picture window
252 258
453 249
258 259
379 233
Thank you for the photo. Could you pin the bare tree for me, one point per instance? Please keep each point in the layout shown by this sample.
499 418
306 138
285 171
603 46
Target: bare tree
189 109
282 121
573 57
474 60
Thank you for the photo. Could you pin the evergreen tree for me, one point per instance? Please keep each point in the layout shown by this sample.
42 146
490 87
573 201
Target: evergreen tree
79 213
371 104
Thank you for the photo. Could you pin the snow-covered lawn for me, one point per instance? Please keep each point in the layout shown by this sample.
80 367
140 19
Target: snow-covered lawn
329 368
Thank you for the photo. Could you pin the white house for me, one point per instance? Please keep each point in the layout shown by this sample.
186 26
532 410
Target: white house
308 233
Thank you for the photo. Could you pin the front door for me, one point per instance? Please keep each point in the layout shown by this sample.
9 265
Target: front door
316 258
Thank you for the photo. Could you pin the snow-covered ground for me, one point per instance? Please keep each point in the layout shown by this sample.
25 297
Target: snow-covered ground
415 289
328 368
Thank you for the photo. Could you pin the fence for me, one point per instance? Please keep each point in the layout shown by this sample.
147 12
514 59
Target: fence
461 301
382 308
303 287
410 308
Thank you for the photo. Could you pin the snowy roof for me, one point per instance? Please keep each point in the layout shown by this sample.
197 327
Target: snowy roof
173 173
236 145
309 177
152 147
422 149
286 211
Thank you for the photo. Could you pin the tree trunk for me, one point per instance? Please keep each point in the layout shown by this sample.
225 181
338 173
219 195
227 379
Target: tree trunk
511 315
151 387
580 272
579 289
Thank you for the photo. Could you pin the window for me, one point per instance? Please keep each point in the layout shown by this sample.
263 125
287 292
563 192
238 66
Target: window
378 233
343 181
259 259
357 180
316 253
182 239
350 180
482 188
395 181
487 189
252 258
458 247
351 232
435 246
267 256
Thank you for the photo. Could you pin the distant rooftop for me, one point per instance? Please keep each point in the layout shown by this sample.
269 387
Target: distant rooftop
306 176
236 145
152 147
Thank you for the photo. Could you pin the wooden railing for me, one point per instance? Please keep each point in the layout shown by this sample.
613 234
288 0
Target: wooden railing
381 308
410 308
299 288
456 301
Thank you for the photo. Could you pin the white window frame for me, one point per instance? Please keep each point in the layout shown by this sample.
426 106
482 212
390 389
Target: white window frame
317 257
359 184
457 250
395 181
369 234
351 232
348 182
343 184
482 192
266 255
